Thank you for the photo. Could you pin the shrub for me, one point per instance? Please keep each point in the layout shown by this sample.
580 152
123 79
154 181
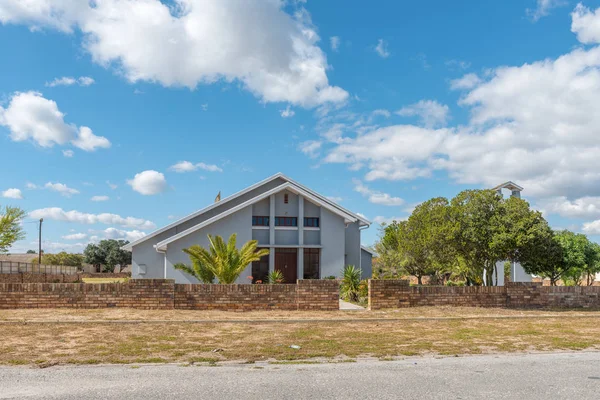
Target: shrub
455 283
349 289
275 277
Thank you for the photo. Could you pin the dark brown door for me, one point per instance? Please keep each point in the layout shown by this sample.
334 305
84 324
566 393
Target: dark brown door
286 261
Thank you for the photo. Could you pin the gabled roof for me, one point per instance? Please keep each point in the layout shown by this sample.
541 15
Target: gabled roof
510 186
368 250
289 184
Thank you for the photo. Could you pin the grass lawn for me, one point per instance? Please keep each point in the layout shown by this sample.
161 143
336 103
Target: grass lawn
243 339
104 280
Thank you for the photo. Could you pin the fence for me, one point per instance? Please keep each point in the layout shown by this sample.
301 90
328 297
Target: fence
12 267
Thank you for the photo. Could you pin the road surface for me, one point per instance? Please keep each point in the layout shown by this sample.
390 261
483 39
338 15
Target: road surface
541 376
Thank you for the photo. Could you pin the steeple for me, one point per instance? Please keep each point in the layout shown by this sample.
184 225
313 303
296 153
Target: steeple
513 187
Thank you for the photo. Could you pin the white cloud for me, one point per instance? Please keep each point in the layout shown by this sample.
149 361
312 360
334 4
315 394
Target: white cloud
61 188
75 236
69 81
457 64
535 124
586 24
112 185
543 8
186 166
592 228
68 153
334 41
287 112
58 214
310 148
430 112
468 81
131 236
382 113
148 183
30 116
382 49
31 186
191 42
87 141
375 196
100 198
584 207
12 194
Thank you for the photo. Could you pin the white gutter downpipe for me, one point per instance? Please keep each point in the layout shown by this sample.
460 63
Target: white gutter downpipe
164 253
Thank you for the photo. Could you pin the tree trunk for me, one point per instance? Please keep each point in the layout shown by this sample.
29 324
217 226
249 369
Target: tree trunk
496 272
419 280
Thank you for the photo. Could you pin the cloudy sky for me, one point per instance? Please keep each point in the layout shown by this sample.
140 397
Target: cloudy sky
119 116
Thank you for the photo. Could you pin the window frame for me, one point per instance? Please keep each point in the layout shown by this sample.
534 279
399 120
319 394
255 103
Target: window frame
287 221
262 218
312 224
309 256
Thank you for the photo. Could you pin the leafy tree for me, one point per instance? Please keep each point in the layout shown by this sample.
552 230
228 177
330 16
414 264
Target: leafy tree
224 260
31 252
10 227
478 216
544 258
389 260
107 253
62 258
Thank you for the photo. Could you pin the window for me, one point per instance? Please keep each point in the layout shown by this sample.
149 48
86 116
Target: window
260 270
285 198
286 221
311 263
260 221
311 222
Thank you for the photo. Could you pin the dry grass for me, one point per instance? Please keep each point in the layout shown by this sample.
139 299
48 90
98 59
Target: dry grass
89 343
116 314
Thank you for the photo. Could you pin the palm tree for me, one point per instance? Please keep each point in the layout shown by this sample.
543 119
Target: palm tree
223 260
350 283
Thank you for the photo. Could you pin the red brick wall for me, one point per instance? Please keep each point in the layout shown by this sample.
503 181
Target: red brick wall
322 295
165 294
141 294
397 294
24 277
235 297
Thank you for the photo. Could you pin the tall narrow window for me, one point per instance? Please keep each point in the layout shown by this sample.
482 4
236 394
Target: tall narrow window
285 198
311 264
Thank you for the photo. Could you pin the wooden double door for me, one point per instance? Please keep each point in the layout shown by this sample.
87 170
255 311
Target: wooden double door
286 261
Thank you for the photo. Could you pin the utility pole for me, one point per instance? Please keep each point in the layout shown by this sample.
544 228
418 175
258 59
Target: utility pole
40 244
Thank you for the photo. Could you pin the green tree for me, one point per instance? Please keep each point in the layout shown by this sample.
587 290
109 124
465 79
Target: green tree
31 252
544 258
62 258
107 253
224 260
478 218
10 227
389 260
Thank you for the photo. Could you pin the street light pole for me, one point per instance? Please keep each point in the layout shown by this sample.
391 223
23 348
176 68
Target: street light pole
40 244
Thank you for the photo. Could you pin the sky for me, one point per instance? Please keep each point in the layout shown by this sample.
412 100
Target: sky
118 117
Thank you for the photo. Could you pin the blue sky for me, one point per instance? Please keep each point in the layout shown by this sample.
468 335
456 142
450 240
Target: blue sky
378 107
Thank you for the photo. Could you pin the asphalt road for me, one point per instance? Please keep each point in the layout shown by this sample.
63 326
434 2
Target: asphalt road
547 376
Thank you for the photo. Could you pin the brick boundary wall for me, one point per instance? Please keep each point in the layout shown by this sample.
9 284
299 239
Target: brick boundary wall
161 294
150 294
26 277
398 294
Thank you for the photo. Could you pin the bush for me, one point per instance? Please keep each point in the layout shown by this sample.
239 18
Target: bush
275 277
455 283
330 277
349 289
